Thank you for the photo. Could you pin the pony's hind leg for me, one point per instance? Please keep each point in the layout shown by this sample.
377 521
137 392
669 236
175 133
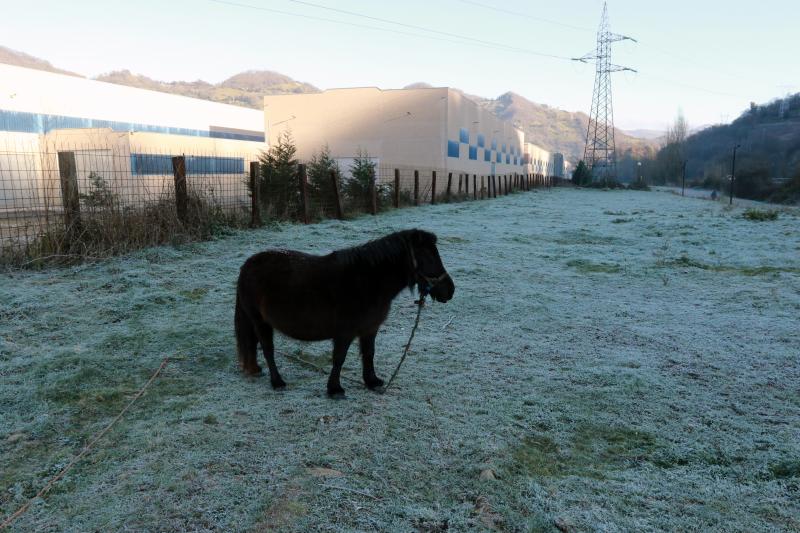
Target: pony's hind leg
367 343
246 341
264 332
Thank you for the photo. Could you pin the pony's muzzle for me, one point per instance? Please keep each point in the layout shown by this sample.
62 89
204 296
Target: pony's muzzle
443 291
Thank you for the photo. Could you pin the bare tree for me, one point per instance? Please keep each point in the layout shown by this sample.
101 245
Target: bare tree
673 153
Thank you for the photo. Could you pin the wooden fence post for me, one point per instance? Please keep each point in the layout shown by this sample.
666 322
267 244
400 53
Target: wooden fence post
433 187
373 193
449 186
460 187
255 205
475 186
416 187
337 197
303 182
69 193
482 187
181 191
505 184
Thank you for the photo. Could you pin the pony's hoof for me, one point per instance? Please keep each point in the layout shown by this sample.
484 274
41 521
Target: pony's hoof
336 394
375 384
278 384
254 371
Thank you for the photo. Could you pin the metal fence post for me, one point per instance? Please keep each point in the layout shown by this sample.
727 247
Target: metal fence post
255 205
373 194
337 197
416 187
303 182
396 187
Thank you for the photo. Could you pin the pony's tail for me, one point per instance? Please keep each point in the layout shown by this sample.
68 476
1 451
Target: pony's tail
246 340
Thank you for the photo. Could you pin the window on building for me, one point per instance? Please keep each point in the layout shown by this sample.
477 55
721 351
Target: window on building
504 148
494 144
463 136
481 141
473 153
499 158
453 149
487 155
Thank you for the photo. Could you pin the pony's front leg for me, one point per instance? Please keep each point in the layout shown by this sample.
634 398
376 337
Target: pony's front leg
340 347
367 343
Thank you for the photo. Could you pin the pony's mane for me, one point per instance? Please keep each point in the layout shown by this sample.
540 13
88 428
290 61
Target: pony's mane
391 248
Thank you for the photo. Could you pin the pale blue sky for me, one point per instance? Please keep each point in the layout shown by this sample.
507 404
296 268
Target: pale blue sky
710 58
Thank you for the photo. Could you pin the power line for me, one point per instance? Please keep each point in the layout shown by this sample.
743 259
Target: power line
414 26
461 39
525 15
689 86
580 28
433 34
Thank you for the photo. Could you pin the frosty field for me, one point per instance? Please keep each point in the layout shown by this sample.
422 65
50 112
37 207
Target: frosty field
621 361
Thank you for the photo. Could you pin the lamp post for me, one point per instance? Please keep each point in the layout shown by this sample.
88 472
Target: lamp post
683 179
639 164
733 171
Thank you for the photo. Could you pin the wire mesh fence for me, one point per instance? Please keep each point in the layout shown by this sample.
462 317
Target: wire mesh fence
67 202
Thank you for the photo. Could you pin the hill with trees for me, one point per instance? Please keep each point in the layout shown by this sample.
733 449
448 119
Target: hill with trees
767 160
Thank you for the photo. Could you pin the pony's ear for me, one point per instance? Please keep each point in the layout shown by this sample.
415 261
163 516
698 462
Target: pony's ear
421 237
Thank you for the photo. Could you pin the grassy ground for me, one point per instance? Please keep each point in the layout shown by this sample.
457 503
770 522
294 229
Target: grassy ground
618 360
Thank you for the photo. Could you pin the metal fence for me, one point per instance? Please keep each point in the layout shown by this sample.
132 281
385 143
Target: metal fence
85 201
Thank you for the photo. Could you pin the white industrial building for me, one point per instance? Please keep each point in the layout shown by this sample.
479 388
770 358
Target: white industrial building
126 135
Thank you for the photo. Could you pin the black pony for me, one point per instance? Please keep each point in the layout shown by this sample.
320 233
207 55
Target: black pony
340 296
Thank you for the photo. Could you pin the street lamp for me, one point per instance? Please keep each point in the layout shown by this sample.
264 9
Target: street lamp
683 179
639 164
733 170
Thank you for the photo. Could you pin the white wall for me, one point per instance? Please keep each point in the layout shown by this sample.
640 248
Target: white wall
34 91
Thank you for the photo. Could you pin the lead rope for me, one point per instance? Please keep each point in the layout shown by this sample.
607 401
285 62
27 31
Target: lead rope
86 449
420 304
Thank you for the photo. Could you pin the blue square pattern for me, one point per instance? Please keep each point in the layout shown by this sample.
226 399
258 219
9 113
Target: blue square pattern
453 149
504 148
473 153
463 136
499 157
481 141
508 159
494 144
487 155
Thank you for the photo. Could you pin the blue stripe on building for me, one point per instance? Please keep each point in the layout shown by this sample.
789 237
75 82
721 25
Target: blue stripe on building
24 122
149 165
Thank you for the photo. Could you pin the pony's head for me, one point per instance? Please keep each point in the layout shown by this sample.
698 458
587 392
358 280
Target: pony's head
427 269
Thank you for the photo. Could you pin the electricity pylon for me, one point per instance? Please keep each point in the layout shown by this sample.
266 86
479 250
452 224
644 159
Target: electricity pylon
600 151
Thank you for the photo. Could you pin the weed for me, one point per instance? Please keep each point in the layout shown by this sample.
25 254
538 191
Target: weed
587 267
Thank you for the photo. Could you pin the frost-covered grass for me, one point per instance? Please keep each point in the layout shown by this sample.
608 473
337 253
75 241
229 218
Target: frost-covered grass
638 376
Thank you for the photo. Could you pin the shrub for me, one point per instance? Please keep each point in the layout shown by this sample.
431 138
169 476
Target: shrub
357 188
321 192
581 175
760 215
279 192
